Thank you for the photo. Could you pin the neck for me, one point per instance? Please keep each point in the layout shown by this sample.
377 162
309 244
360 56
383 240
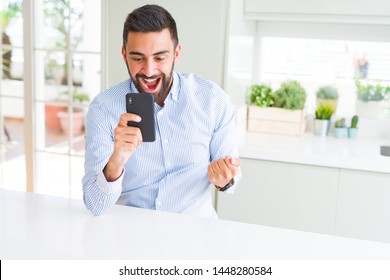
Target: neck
162 100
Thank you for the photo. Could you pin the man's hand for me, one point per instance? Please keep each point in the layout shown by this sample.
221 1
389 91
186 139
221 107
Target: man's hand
223 170
126 140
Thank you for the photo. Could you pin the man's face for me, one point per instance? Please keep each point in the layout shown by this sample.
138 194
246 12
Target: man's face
150 59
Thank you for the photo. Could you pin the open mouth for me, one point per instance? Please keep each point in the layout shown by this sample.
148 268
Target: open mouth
150 84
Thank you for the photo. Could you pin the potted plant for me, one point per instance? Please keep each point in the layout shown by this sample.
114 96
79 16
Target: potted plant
290 96
52 121
327 94
370 96
370 90
323 115
281 112
261 95
353 129
77 113
340 128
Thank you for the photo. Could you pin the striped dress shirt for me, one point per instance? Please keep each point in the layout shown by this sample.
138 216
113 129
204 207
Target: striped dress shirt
193 128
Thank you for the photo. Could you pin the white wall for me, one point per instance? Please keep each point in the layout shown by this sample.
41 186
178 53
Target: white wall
237 83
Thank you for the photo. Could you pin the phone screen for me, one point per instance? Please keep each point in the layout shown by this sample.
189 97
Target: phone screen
142 104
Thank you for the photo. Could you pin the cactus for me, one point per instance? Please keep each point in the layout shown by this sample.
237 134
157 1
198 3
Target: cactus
340 123
354 121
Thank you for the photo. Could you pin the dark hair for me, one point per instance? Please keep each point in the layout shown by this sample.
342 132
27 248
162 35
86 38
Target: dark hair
150 18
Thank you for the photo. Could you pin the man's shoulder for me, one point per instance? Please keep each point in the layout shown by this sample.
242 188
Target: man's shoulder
193 79
113 94
199 85
205 95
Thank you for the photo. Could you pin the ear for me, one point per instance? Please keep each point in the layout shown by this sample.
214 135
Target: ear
124 54
177 52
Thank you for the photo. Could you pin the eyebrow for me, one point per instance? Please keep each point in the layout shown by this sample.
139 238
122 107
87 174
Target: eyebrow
141 54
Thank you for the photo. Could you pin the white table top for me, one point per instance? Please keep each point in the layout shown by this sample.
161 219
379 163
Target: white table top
358 154
34 226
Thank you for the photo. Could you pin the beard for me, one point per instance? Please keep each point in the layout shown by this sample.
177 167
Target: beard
162 78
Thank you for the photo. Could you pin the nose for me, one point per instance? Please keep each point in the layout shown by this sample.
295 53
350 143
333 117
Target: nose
149 68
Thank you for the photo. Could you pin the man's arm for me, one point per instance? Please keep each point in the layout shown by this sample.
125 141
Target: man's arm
106 153
126 140
224 169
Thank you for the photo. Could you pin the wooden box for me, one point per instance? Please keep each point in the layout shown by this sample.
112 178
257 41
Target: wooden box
276 120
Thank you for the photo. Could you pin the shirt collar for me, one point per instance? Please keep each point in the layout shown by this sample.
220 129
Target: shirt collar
132 87
175 89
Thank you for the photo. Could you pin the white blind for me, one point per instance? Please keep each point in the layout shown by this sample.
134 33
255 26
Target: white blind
315 58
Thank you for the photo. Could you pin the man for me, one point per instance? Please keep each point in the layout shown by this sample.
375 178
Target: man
194 120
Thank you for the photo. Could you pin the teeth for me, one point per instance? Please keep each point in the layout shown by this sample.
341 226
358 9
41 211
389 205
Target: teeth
150 80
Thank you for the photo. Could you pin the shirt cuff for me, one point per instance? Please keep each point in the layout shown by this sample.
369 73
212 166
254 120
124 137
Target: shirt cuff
237 180
232 188
109 187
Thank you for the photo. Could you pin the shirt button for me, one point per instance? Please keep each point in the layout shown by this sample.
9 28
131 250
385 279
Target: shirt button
166 141
159 203
162 180
169 164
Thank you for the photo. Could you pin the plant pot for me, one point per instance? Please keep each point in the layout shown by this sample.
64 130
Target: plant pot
52 121
77 122
321 127
353 133
276 120
370 109
340 132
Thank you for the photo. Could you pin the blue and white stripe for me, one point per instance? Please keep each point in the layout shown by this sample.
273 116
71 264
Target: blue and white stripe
192 129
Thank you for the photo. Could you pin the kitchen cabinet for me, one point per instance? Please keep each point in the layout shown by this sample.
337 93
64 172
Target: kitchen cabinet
284 195
336 11
363 205
352 203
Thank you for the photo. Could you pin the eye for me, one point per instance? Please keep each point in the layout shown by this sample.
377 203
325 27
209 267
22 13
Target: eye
160 58
137 58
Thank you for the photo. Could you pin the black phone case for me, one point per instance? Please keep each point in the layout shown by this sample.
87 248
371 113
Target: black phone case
142 105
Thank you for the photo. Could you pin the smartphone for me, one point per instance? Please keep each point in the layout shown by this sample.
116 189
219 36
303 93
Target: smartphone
142 104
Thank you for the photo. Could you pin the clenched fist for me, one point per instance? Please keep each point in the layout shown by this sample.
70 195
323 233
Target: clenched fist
223 170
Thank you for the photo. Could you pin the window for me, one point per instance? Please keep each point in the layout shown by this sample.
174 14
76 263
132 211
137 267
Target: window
66 51
318 62
319 54
67 58
12 160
